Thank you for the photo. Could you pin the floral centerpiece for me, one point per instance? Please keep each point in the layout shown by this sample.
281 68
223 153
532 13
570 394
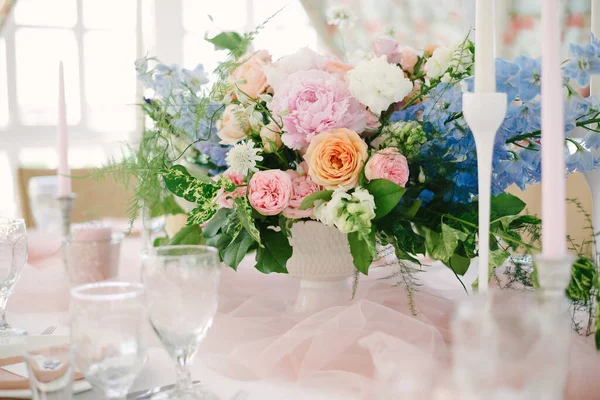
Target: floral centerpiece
376 148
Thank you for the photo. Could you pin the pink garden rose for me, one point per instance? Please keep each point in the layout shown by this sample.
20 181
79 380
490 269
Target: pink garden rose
302 186
388 164
315 101
395 53
270 191
250 76
225 199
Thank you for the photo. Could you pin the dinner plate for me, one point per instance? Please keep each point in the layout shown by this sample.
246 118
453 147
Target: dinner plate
15 346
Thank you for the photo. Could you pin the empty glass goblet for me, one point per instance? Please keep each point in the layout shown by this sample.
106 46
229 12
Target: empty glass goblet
181 292
107 334
13 257
50 373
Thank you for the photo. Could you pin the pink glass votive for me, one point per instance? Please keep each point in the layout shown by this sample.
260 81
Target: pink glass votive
92 254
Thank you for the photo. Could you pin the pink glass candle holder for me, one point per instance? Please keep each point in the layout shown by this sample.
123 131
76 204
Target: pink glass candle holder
92 253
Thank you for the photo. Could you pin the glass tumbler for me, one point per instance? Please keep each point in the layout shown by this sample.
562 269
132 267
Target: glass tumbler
107 334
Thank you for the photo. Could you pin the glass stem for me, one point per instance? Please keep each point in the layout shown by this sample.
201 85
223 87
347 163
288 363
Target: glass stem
3 301
184 376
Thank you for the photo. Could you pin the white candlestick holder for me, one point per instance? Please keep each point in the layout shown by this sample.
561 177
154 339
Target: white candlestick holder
554 275
484 112
66 211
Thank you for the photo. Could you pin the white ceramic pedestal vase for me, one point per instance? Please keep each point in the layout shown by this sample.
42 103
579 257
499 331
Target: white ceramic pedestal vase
321 259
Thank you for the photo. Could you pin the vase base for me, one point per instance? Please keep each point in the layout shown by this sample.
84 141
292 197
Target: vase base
315 295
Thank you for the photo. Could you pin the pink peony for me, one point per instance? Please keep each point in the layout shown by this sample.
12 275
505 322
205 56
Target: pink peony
302 186
315 101
335 66
250 76
302 60
270 191
388 164
225 199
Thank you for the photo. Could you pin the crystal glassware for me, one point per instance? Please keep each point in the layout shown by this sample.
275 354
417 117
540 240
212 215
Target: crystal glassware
510 345
107 334
13 257
50 373
181 292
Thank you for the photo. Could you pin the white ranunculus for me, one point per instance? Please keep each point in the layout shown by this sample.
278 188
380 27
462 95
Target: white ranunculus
378 84
439 62
304 59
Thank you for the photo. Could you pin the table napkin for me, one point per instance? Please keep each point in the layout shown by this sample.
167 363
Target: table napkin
11 381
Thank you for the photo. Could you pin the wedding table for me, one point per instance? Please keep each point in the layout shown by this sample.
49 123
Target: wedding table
261 346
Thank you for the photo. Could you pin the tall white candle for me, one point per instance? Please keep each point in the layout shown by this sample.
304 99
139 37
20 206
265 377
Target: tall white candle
595 25
485 69
139 89
554 243
63 173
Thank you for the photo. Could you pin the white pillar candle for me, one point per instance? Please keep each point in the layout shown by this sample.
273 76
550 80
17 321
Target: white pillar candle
64 178
554 243
595 22
139 89
485 69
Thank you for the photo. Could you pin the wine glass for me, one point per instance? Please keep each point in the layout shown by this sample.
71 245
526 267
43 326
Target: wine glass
107 324
181 292
13 257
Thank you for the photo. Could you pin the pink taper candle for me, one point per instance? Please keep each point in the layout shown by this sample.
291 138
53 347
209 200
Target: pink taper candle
64 179
554 220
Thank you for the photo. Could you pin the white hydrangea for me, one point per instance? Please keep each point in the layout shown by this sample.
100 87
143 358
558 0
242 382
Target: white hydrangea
378 84
348 212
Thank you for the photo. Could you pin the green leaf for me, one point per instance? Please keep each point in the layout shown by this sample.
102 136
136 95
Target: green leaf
226 40
182 184
217 222
274 255
309 201
244 212
442 245
497 258
387 195
407 211
506 204
459 264
201 214
161 241
188 235
362 255
237 250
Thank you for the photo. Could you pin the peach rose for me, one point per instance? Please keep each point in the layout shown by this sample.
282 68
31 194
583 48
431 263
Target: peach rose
233 125
430 48
225 199
337 67
335 158
388 164
269 192
271 137
408 59
250 77
302 186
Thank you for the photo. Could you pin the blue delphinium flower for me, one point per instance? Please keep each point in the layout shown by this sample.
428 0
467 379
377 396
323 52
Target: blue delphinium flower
443 101
584 61
580 160
167 80
591 141
505 71
528 80
196 78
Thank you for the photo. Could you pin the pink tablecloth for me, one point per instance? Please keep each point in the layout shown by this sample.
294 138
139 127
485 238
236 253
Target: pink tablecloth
351 348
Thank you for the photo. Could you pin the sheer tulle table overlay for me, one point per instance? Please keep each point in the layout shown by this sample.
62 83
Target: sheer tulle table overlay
354 349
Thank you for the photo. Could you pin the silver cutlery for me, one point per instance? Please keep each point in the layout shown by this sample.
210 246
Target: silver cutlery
147 393
49 330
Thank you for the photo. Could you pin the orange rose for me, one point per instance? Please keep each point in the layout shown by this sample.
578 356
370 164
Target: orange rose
336 158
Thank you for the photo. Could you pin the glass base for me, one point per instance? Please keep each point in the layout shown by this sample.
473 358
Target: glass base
198 392
8 331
